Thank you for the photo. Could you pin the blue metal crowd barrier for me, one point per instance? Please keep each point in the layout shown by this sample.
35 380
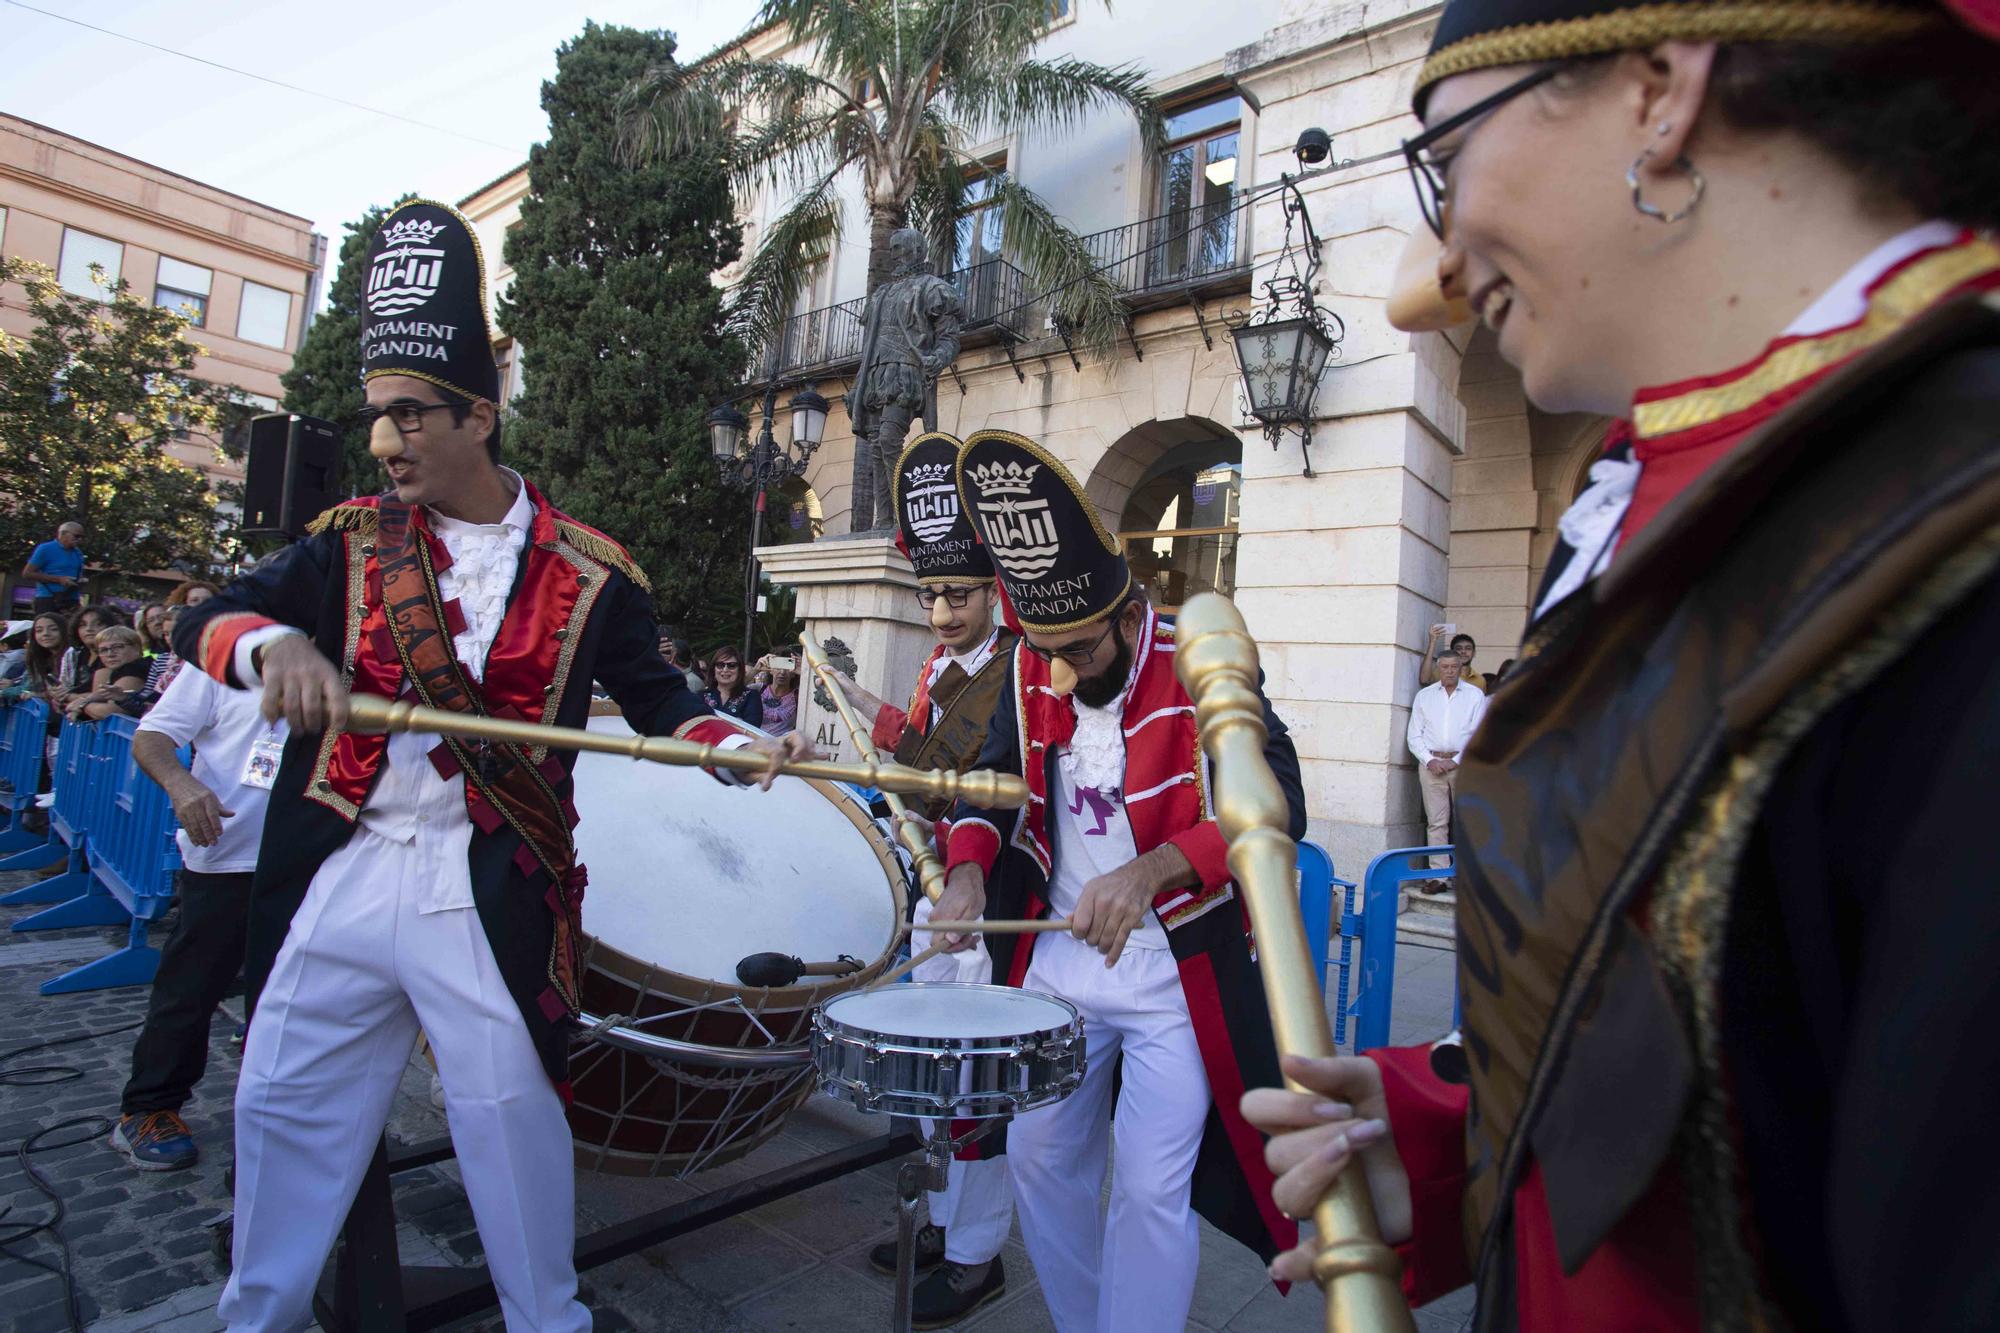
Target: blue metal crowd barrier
1375 926
70 774
115 826
23 741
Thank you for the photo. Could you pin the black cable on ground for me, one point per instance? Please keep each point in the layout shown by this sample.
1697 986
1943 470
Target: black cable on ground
92 1127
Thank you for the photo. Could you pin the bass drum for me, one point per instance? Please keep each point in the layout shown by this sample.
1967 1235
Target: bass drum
688 1068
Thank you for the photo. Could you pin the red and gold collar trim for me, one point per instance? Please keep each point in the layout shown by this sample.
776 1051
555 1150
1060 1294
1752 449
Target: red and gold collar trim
1790 364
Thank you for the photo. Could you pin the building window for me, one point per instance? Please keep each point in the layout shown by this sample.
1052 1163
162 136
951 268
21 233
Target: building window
982 281
1179 525
265 315
184 287
80 250
1198 192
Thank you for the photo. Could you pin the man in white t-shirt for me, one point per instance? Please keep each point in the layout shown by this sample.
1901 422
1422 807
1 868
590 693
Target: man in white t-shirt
1442 719
220 805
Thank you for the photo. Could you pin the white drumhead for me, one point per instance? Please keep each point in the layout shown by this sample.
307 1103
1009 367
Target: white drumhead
692 875
914 1009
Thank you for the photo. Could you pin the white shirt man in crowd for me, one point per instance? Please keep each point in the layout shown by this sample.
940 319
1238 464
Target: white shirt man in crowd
220 806
1442 719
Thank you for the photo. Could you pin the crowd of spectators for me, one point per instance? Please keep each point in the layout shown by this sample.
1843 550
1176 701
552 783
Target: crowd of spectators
88 663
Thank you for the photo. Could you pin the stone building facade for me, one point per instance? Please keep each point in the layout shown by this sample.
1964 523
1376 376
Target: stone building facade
1433 488
249 273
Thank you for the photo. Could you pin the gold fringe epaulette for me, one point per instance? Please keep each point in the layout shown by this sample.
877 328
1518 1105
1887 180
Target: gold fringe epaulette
349 517
603 550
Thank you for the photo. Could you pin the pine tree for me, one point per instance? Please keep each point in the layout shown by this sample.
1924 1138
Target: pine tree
325 378
621 331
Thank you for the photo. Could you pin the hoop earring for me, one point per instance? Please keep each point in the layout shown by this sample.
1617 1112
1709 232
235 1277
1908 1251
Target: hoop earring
1654 211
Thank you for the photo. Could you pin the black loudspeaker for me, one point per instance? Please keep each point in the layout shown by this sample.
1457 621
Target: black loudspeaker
291 475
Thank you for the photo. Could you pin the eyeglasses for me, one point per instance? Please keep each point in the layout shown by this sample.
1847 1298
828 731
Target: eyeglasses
1076 654
408 417
955 598
1428 173
728 666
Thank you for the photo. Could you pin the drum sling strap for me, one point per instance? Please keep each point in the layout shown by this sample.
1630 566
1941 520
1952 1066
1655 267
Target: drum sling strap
502 774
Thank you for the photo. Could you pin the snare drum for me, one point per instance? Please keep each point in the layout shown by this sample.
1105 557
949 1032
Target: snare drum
946 1050
688 876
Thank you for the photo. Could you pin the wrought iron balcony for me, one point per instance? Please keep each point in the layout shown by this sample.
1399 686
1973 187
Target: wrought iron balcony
1167 258
828 340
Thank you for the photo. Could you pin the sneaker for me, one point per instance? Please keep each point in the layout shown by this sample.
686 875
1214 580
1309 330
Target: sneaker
955 1291
156 1141
930 1251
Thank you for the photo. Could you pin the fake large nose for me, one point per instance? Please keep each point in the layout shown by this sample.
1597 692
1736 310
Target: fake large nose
1426 294
384 440
941 613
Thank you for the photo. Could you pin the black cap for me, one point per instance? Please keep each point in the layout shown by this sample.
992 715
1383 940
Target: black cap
1482 34
937 536
1059 566
424 307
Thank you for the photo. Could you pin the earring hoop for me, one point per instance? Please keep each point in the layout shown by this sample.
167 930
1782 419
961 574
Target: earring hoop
1654 211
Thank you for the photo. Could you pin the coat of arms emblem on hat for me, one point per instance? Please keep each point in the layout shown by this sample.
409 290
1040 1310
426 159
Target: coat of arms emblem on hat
930 500
1019 527
406 272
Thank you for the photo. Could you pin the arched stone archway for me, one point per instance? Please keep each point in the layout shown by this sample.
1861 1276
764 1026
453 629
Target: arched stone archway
1170 490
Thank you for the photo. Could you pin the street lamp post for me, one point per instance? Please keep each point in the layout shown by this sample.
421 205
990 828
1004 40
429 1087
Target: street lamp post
763 466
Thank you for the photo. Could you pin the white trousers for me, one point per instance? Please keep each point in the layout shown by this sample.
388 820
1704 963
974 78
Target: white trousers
1132 1271
360 969
976 1206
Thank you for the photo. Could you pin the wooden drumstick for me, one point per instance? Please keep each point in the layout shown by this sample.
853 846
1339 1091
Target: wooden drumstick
1061 923
907 966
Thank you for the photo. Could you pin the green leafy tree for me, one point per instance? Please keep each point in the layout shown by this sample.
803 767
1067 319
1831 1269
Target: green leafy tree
894 88
325 378
90 400
621 330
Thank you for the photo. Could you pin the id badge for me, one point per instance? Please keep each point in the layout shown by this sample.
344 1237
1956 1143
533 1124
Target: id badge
260 769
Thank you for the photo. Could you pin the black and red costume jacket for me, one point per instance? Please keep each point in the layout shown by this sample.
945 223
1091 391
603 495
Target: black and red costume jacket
1167 800
579 611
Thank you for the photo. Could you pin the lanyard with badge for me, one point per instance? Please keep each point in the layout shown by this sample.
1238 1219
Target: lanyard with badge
260 766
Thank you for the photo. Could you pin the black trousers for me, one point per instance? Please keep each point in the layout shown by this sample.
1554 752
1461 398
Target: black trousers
198 965
60 602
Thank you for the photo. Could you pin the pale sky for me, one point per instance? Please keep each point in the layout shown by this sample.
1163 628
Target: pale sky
473 67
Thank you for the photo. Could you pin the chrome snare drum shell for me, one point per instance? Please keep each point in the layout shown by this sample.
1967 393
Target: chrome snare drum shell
920 1072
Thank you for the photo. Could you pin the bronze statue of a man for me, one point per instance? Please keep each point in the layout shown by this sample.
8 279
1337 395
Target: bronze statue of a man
909 335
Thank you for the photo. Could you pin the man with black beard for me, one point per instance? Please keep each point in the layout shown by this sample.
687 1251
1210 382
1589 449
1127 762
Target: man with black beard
1118 836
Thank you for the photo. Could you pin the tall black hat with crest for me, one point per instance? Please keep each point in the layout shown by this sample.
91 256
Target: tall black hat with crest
936 534
1483 34
424 304
1058 565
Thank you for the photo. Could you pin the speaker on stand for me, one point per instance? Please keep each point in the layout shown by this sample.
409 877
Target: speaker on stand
291 474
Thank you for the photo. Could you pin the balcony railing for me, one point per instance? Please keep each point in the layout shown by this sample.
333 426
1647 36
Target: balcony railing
1192 248
829 339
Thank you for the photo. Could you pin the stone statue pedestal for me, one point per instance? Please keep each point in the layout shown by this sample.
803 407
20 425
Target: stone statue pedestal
858 589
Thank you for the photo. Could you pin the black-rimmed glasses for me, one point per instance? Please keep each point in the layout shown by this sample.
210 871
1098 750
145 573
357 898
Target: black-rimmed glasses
1428 174
408 417
955 598
1076 654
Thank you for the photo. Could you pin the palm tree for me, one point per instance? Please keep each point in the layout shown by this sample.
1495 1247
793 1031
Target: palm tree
892 88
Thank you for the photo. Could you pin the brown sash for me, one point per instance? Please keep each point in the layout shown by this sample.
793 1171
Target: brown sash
965 705
512 787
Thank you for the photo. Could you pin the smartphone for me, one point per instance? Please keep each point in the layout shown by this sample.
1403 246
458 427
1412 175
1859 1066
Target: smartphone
1450 629
783 664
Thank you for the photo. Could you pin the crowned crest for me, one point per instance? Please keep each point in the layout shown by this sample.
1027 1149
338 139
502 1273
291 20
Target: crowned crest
410 231
1060 567
425 312
936 536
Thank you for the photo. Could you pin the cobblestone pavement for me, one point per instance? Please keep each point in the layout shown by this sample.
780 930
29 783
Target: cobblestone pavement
141 1241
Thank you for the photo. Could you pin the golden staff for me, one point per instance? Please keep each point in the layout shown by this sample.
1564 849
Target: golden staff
1000 791
1217 663
930 871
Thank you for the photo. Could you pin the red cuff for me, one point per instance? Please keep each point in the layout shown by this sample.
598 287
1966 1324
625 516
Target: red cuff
1206 850
972 841
1427 1121
217 647
887 732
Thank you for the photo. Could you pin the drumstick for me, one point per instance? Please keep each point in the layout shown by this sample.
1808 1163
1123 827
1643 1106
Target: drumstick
930 872
909 965
1050 926
1000 791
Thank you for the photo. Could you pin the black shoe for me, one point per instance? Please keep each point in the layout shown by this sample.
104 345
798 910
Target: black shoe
952 1293
930 1251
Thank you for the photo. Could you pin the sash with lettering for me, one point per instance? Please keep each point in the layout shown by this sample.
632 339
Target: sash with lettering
501 782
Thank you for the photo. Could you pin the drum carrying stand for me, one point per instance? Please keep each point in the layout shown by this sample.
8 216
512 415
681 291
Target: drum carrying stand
912 1180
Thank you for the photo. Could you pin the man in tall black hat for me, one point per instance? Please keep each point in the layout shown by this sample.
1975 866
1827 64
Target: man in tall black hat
1118 836
404 880
944 727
